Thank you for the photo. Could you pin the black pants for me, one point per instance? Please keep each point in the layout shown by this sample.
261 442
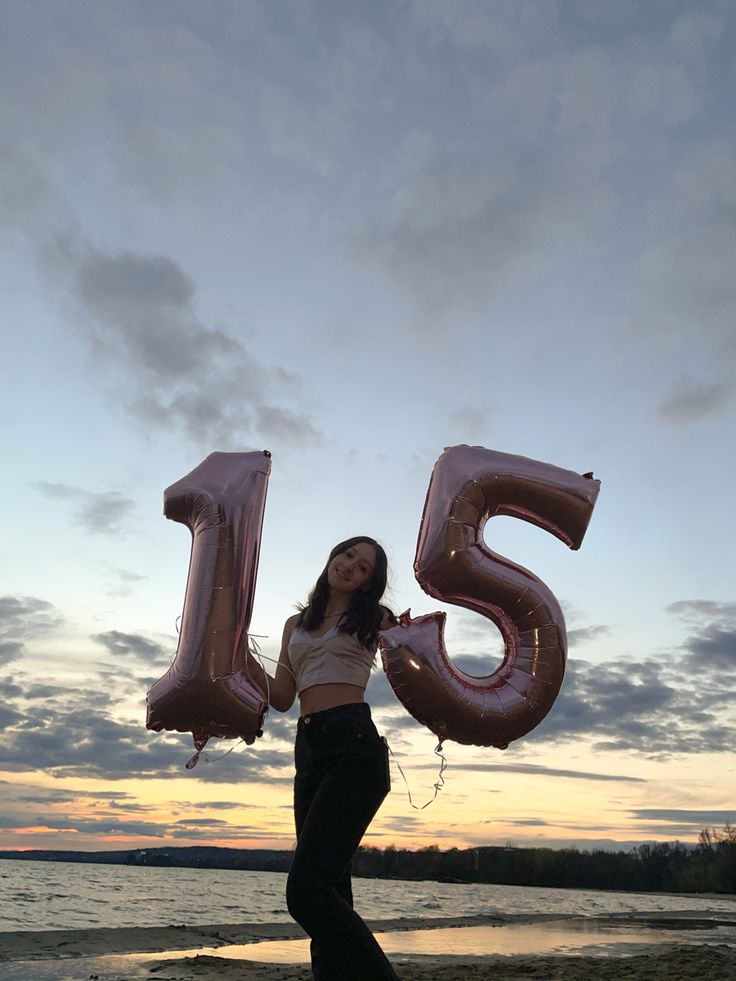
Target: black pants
341 781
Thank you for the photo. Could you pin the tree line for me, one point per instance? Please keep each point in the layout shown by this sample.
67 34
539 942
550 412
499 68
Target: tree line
710 866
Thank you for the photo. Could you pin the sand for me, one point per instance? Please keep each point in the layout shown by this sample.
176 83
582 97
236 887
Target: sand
92 954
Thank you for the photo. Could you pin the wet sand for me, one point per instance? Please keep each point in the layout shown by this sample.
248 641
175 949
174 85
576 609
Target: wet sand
129 954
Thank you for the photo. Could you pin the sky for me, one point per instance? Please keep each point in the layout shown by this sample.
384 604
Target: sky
353 235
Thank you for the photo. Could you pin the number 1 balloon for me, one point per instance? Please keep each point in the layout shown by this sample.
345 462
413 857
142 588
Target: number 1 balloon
207 690
469 485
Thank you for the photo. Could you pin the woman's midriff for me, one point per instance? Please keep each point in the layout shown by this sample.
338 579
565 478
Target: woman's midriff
317 698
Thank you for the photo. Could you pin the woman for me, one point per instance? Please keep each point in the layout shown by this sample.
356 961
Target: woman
341 763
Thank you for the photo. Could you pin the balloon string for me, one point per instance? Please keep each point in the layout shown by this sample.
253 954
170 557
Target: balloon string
214 759
439 783
261 657
200 754
255 650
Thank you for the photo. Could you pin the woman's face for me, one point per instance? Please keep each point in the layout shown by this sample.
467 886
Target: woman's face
352 569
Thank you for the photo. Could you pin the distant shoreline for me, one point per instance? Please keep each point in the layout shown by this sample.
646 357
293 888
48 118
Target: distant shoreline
512 866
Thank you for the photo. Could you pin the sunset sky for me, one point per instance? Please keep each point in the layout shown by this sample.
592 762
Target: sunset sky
354 234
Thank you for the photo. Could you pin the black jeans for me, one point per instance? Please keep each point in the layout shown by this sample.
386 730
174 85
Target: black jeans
341 781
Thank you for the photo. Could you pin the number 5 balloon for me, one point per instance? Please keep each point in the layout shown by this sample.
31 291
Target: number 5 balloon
469 485
206 690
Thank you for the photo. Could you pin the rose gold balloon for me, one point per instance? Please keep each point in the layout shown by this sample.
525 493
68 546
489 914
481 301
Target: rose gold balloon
469 485
206 690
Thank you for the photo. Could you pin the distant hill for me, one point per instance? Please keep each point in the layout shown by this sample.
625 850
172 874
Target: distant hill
196 856
710 866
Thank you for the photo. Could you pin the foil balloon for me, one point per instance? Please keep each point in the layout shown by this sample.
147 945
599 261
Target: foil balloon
206 690
469 485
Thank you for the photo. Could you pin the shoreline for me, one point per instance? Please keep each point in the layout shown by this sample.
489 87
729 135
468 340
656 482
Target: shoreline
97 941
134 953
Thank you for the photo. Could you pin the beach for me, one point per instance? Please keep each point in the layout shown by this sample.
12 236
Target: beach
639 948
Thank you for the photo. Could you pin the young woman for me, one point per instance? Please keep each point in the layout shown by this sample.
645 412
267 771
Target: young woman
341 763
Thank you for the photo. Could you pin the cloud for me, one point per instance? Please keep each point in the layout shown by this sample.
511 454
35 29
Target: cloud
27 616
532 769
213 805
82 733
583 634
641 707
139 317
635 705
9 717
28 198
455 233
10 650
692 401
698 819
711 649
103 812
123 581
702 611
284 426
101 513
133 645
24 618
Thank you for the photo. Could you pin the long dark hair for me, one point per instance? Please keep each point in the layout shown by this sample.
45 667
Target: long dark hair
365 613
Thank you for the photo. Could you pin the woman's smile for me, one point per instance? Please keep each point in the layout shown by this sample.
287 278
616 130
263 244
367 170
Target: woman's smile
352 569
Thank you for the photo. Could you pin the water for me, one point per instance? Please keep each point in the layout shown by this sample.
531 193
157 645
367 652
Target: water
72 896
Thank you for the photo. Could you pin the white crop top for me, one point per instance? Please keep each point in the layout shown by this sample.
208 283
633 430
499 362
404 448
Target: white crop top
333 658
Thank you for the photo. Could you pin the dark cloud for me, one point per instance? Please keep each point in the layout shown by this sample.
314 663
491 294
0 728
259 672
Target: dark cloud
214 805
78 812
201 822
696 818
10 690
285 426
529 823
27 616
9 717
96 826
640 707
531 769
583 634
10 650
637 705
133 645
711 648
23 618
140 316
72 733
692 401
702 610
104 513
39 691
712 651
108 813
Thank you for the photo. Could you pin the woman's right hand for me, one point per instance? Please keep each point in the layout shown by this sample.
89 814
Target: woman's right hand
280 691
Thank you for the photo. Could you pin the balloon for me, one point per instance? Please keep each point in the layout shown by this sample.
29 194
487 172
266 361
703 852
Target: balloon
207 690
469 485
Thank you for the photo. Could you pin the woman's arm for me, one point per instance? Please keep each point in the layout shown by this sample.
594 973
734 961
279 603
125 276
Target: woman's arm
281 690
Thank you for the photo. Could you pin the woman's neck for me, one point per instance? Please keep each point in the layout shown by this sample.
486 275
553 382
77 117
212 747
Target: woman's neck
336 606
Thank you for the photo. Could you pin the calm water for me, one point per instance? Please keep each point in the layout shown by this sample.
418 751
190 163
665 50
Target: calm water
64 895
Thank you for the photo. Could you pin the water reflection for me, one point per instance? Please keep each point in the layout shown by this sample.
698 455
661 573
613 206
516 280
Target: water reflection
565 937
